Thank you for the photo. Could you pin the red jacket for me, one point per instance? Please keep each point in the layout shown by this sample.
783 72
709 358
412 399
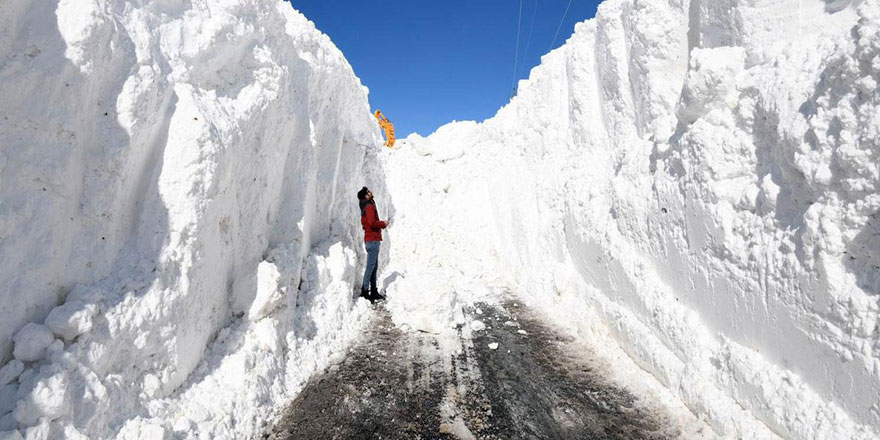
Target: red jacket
372 225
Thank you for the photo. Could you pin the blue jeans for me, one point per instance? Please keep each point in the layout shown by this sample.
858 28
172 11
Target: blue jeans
372 264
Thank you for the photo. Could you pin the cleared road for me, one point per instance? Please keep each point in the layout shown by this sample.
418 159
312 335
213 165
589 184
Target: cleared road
535 385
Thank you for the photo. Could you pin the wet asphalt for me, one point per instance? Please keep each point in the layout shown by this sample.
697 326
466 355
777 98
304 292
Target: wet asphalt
537 384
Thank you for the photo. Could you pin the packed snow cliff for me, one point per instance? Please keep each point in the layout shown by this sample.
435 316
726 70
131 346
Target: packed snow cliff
698 182
177 233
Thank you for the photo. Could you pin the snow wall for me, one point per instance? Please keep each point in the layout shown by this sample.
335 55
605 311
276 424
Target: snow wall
700 182
177 206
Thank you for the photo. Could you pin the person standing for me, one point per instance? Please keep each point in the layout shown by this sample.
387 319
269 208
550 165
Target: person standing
372 240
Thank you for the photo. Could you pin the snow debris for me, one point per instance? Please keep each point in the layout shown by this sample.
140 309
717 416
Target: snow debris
477 325
458 429
8 398
10 371
84 294
269 291
139 428
31 342
182 425
48 399
10 435
493 345
71 319
425 302
7 423
522 332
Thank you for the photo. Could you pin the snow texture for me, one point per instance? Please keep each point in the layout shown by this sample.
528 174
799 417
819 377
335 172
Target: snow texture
71 319
426 303
177 205
31 342
270 292
11 371
696 182
691 186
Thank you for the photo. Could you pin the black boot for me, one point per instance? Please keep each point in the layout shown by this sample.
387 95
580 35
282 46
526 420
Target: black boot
374 295
365 294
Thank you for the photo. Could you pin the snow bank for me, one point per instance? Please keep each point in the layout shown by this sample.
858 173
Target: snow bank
177 187
698 182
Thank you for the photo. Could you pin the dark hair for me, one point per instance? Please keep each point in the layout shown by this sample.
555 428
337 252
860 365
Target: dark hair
362 194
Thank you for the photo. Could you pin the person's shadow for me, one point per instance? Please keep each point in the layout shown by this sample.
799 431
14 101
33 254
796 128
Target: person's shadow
390 279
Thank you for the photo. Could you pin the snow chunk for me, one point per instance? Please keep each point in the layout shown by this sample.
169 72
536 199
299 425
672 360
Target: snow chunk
711 82
8 394
53 430
426 303
49 398
10 435
31 342
85 294
477 325
7 423
71 319
182 425
493 346
10 371
137 429
269 293
457 428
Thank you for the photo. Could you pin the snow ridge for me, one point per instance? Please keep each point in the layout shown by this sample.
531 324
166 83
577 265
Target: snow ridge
177 222
698 183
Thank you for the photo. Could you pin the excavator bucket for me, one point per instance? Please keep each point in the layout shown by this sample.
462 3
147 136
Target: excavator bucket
387 127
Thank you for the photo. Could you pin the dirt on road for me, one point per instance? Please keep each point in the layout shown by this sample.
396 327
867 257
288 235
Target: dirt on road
534 384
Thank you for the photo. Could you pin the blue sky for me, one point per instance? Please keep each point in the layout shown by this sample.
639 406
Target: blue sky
429 63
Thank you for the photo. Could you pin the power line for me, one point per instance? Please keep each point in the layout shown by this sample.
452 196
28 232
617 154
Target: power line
531 28
516 53
560 25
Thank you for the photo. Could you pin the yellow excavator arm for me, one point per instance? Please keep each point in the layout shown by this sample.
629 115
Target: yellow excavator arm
387 127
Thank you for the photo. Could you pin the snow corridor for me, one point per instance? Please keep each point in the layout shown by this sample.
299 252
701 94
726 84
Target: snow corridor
673 230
